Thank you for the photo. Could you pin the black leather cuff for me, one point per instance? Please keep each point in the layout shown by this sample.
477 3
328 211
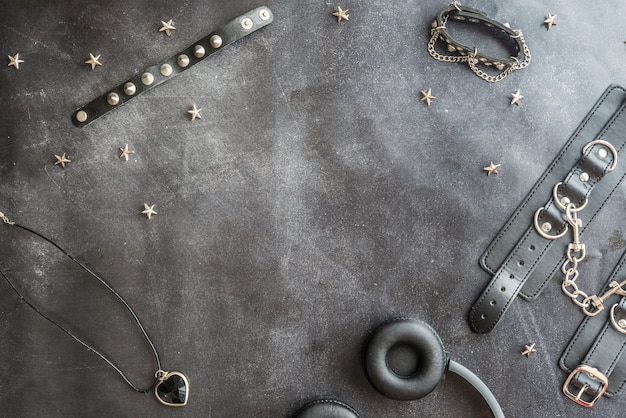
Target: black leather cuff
526 258
594 356
160 73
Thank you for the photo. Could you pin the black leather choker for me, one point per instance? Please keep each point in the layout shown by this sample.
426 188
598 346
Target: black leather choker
519 58
160 73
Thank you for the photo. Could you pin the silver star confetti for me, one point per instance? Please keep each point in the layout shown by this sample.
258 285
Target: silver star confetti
167 27
427 96
550 20
148 210
195 113
492 168
93 61
341 14
15 61
516 97
62 160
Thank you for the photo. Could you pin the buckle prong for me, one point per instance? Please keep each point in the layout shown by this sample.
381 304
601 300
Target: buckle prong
577 397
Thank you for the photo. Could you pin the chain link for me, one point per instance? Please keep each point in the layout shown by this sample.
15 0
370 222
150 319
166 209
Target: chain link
6 220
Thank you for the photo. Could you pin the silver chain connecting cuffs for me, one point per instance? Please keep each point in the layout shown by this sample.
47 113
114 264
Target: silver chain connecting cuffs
520 54
591 305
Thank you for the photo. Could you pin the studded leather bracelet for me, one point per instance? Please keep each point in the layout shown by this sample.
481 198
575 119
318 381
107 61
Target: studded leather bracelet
160 73
477 60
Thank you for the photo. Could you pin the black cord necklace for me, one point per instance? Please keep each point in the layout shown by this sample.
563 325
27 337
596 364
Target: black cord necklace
170 388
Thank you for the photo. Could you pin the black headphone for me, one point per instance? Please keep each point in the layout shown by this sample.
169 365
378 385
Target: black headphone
404 359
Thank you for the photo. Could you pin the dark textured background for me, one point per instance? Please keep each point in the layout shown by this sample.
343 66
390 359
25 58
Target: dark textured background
316 198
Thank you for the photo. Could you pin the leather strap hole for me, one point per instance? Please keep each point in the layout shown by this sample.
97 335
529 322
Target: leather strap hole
503 289
483 316
531 248
511 276
521 262
492 303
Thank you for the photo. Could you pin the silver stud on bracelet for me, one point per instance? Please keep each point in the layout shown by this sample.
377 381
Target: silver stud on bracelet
183 60
130 89
198 51
81 116
264 14
246 23
147 79
113 98
166 70
216 41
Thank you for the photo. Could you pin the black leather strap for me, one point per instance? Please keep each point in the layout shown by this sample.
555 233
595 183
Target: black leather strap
594 356
160 73
517 225
531 248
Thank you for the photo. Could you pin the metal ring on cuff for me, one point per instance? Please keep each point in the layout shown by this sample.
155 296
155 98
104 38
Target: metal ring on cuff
427 347
543 234
615 323
557 201
609 146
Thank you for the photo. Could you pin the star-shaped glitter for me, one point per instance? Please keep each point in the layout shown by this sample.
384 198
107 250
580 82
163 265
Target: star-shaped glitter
62 159
492 168
195 113
528 350
149 210
125 152
516 97
427 96
550 20
15 61
341 14
93 61
167 27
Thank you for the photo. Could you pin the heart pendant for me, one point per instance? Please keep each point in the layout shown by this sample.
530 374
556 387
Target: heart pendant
172 388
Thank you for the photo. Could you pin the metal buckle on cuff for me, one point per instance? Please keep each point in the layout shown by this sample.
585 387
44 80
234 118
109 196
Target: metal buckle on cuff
577 397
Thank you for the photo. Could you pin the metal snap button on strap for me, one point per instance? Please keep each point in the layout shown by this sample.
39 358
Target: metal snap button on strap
160 73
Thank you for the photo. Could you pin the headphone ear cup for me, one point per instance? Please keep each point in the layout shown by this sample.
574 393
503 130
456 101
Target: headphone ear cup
412 336
326 408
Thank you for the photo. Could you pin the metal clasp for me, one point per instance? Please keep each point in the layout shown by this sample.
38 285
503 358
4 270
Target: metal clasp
598 301
575 246
577 397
